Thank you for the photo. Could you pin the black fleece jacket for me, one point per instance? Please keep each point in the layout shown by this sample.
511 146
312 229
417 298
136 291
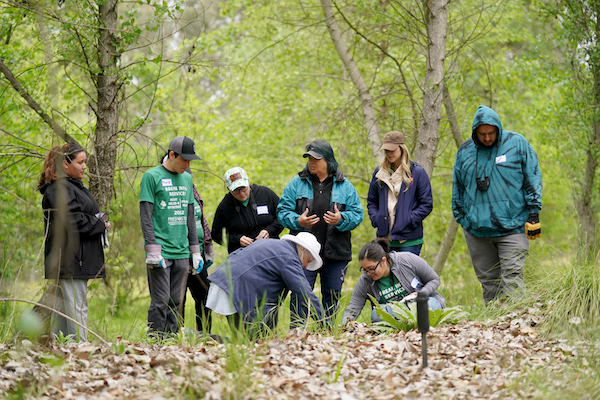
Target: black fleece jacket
238 221
72 247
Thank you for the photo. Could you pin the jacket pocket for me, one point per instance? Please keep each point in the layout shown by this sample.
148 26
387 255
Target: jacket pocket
302 204
383 225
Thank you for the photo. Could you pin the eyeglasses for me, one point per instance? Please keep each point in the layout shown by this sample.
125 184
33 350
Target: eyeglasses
370 271
240 189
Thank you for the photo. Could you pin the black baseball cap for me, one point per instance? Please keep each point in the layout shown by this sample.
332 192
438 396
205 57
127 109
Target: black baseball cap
185 147
311 151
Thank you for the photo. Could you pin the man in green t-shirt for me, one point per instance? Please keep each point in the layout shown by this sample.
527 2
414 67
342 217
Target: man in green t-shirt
169 229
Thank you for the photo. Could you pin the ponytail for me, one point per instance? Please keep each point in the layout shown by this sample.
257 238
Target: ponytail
375 250
54 159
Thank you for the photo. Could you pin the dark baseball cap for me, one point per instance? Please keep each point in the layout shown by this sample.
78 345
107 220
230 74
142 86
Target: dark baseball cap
311 151
185 147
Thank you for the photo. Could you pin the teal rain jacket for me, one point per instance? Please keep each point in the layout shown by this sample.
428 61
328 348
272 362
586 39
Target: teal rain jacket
515 181
298 196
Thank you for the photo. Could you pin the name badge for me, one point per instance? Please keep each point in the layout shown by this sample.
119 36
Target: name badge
167 182
261 210
415 282
501 159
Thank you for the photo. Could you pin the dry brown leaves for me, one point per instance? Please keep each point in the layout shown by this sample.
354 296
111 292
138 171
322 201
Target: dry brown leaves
467 361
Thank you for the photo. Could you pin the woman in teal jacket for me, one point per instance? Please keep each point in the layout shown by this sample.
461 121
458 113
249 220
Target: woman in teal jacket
322 201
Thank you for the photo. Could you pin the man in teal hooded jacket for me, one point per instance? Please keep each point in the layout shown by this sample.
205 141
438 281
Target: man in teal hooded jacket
496 198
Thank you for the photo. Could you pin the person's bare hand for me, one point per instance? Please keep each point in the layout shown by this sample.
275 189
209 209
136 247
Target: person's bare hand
305 220
333 218
264 234
246 241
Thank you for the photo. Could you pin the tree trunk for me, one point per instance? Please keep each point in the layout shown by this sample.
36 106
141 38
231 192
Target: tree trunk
587 217
436 13
442 255
373 133
102 164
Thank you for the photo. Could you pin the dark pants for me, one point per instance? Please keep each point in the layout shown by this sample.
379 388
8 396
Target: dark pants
332 275
167 287
416 249
198 285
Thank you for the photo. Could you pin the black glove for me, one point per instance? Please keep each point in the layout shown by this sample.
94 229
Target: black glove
533 228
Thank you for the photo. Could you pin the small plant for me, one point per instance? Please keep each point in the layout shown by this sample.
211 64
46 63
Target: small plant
61 339
338 369
405 316
117 348
239 362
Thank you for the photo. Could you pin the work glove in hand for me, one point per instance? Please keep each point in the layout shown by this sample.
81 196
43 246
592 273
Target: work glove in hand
209 259
153 257
197 263
533 228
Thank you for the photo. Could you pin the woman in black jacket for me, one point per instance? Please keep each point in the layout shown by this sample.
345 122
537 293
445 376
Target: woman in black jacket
247 212
73 229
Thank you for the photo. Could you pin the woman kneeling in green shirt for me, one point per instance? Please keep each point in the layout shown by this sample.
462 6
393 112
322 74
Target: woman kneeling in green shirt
390 277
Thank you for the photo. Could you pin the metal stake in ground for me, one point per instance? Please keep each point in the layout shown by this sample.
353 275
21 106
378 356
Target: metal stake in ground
423 322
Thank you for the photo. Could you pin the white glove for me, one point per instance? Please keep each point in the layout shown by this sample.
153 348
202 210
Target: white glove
197 263
154 257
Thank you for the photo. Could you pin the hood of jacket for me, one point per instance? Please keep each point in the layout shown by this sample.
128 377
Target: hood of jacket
486 116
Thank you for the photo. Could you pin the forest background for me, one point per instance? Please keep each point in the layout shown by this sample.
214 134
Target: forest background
252 82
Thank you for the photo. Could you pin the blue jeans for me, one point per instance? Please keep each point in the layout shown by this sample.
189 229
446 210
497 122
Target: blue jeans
416 249
332 274
432 304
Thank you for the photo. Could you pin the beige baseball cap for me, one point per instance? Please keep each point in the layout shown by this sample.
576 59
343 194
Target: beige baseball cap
392 140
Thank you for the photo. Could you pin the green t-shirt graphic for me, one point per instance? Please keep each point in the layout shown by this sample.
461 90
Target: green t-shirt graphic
390 289
170 193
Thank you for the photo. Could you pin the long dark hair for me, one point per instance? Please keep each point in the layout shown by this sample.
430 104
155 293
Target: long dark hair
375 250
53 162
324 148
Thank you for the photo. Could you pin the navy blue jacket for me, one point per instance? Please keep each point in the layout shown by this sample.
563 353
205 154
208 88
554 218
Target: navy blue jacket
413 206
262 273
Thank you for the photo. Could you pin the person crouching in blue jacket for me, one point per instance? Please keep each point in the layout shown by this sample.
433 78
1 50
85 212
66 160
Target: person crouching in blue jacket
249 286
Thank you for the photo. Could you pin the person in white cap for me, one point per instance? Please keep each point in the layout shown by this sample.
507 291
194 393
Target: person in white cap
169 228
251 284
248 212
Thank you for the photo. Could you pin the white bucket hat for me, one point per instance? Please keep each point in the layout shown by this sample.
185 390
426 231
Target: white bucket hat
310 243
